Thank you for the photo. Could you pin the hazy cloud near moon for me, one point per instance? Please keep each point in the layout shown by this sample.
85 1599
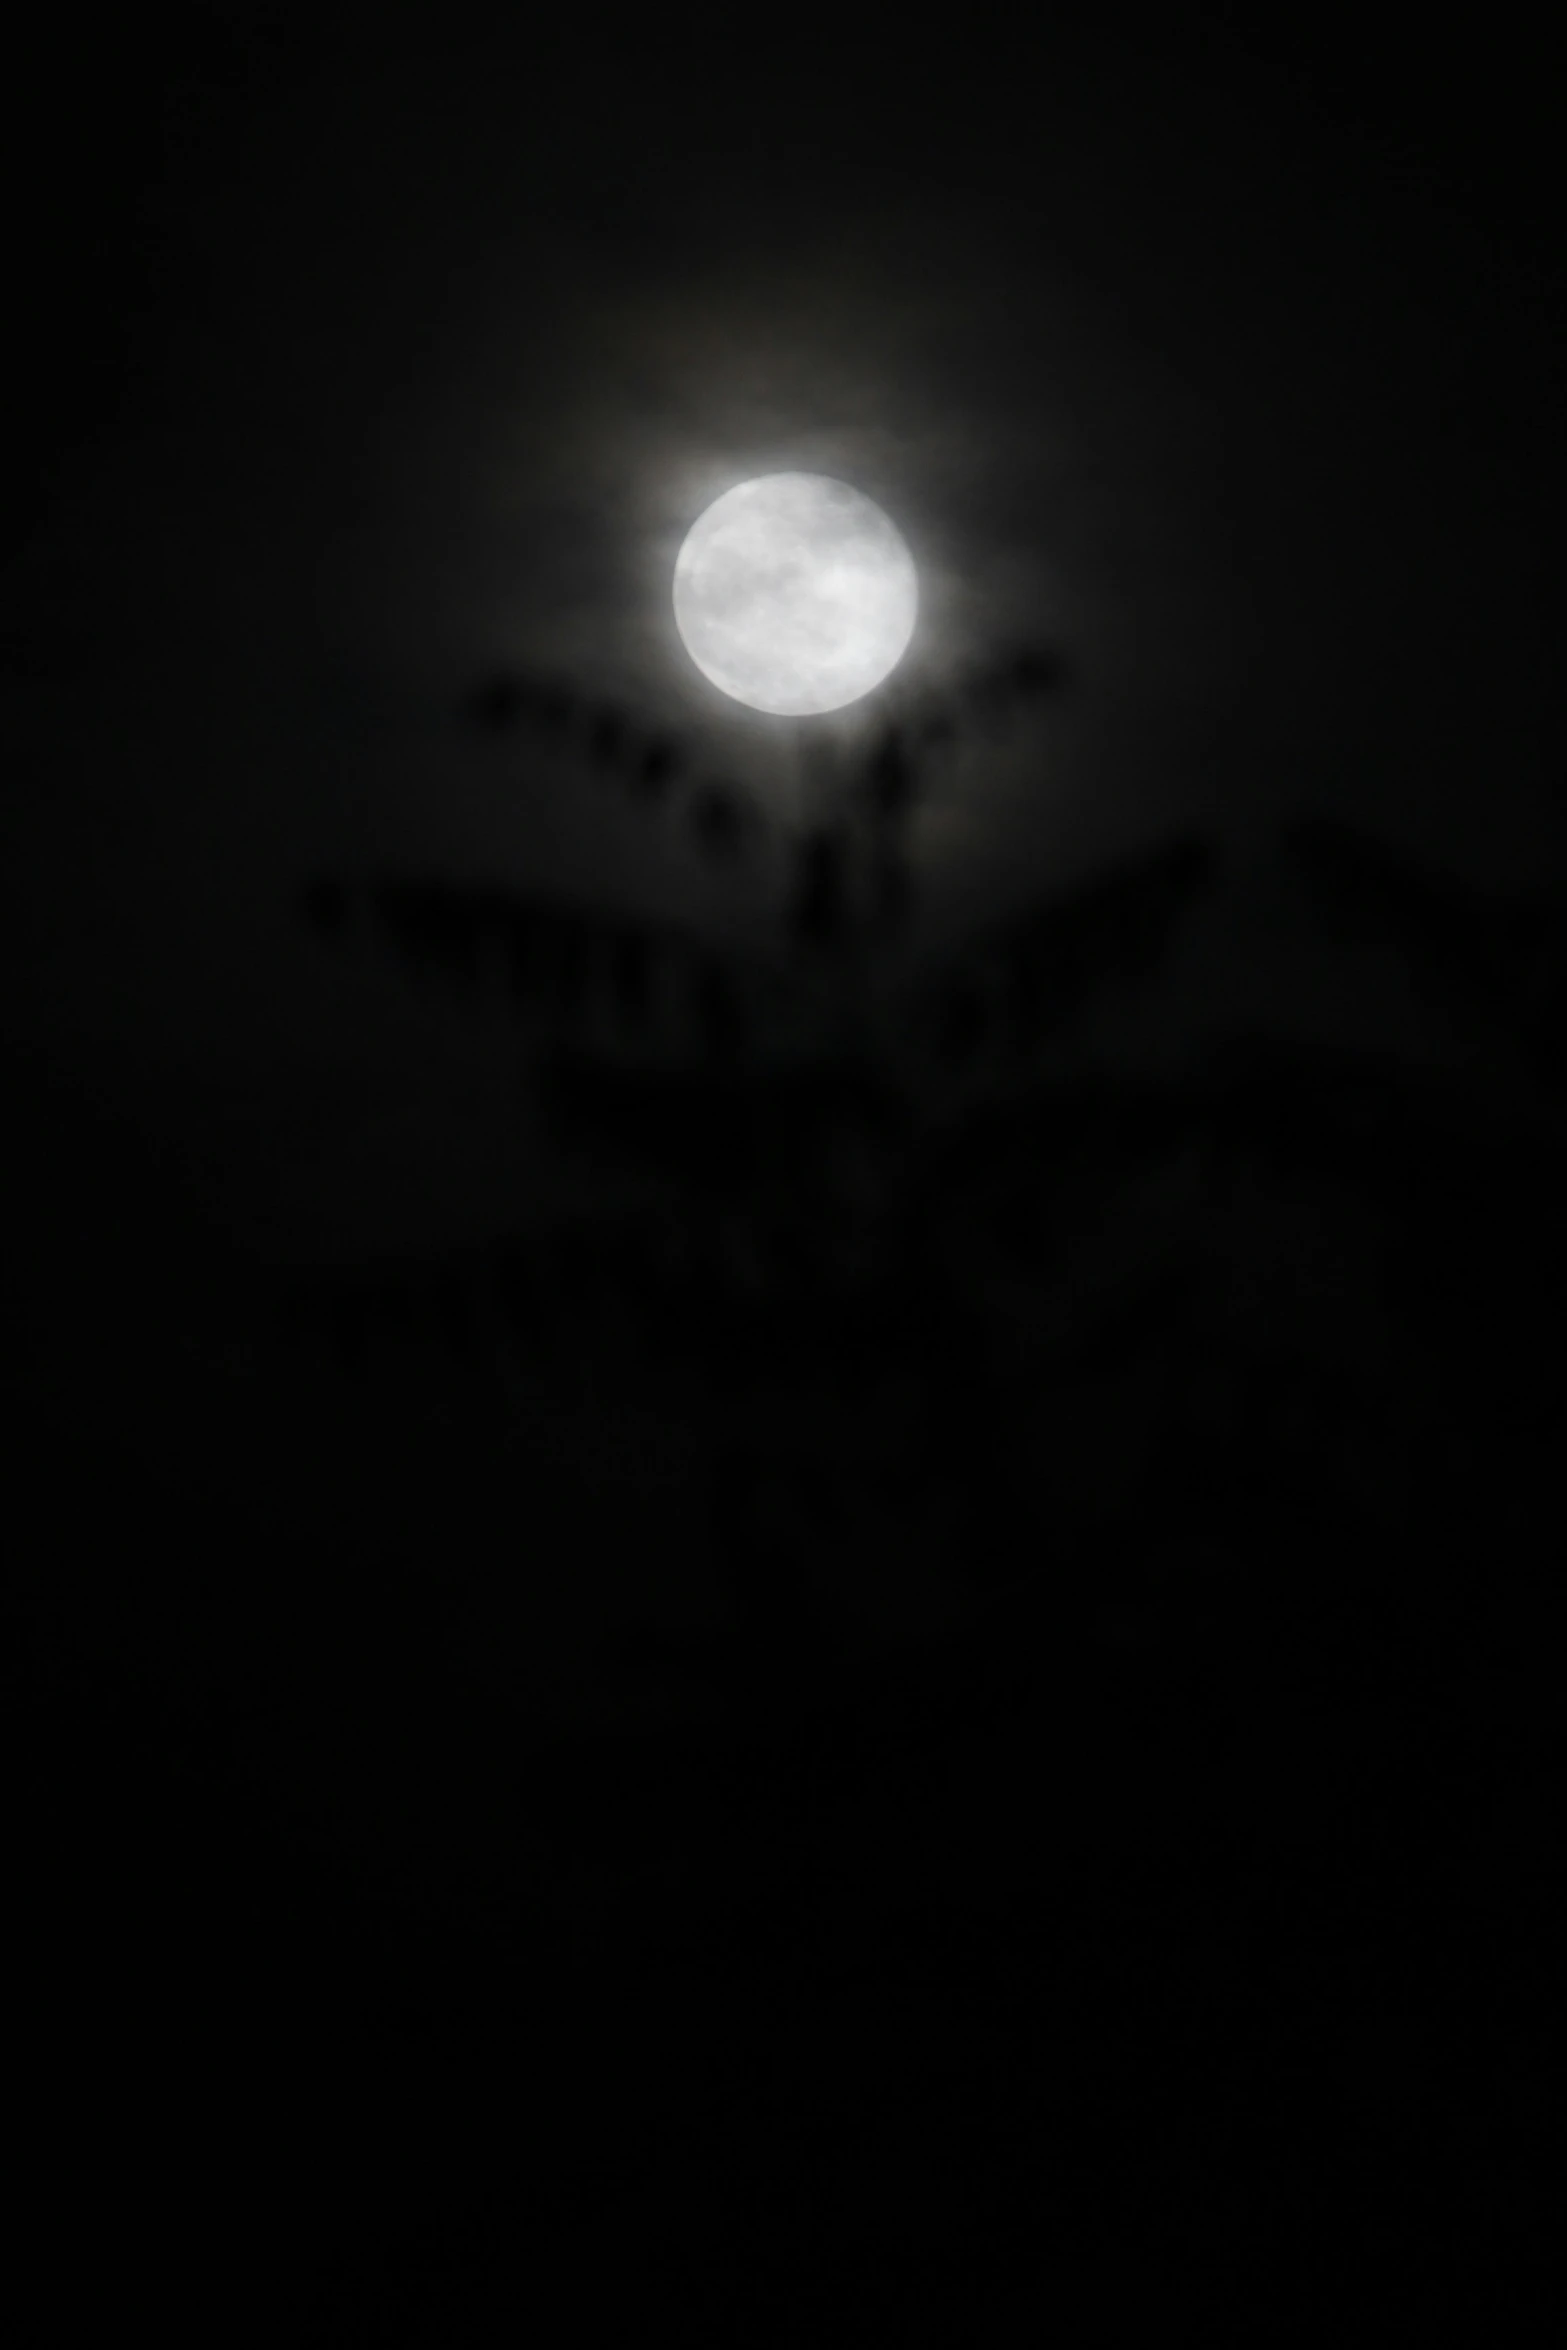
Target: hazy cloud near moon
1037 497
1106 401
1132 357
451 347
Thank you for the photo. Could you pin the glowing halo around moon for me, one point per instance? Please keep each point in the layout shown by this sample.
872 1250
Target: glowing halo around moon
795 594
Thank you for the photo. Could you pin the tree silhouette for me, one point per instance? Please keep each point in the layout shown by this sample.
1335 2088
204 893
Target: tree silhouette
848 1179
819 913
649 764
718 820
784 1102
1497 965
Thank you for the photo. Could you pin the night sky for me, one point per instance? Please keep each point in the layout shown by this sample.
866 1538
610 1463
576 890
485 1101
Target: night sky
359 353
360 364
356 365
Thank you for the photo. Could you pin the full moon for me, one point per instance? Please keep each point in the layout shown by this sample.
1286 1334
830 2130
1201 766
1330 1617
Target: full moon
794 593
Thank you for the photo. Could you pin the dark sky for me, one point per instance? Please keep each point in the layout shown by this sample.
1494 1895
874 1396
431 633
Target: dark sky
360 353
363 357
351 351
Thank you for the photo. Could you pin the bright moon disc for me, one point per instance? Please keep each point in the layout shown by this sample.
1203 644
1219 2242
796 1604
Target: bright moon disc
794 594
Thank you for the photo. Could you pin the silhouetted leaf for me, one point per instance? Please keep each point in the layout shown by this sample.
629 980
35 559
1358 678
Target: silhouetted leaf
1418 1137
991 693
552 707
1470 952
1032 1158
891 776
497 704
654 769
547 954
1464 1195
718 818
818 911
728 1131
433 925
631 976
1055 961
1035 669
1358 882
893 891
517 697
608 734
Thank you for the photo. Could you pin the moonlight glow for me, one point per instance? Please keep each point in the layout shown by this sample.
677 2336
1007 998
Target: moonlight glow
795 594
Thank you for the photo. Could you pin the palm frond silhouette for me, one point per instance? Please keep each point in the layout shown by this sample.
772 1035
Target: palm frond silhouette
650 765
1027 979
869 1178
1489 961
764 1086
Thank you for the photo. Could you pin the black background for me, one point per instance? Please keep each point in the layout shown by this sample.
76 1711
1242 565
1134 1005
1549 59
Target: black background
1266 1913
